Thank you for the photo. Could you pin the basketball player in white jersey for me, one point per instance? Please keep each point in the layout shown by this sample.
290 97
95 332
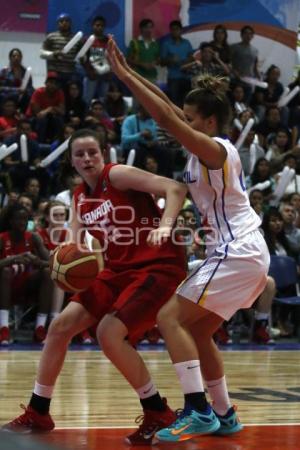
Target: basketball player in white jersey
235 271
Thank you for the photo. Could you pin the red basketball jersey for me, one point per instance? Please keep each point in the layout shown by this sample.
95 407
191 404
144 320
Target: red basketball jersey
43 232
121 221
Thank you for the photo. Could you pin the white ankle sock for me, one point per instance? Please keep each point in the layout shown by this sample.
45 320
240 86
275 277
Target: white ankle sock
4 317
189 375
41 320
218 393
42 390
261 316
147 390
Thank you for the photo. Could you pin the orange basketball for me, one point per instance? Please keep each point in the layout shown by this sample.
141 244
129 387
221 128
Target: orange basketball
72 269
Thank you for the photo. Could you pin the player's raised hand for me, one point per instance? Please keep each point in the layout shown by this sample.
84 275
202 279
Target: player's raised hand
158 236
116 59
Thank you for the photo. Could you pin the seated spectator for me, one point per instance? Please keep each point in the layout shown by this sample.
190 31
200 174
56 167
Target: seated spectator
75 105
278 146
139 131
237 98
278 244
98 115
261 173
206 62
11 80
47 109
250 152
291 232
17 169
175 52
294 200
32 188
71 183
268 127
115 106
26 201
240 122
256 199
143 52
291 161
265 98
9 118
274 234
24 272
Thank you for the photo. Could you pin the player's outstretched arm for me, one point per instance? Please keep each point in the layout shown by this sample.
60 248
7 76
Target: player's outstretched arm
155 89
207 149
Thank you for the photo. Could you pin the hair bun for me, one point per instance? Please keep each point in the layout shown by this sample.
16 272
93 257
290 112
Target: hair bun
216 85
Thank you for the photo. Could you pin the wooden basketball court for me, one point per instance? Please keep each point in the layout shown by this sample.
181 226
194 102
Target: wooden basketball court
94 408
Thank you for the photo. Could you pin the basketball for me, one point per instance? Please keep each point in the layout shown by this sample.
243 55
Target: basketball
73 270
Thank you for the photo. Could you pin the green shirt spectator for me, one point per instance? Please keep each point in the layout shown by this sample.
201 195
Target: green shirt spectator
143 52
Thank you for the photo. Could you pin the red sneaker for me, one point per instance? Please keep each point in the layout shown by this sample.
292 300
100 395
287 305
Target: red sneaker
30 422
152 421
85 338
154 336
261 335
40 334
4 336
222 337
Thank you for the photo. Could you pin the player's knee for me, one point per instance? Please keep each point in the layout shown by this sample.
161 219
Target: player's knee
110 334
165 320
271 286
62 328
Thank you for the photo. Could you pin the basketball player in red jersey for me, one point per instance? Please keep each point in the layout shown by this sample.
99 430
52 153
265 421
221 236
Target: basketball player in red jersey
142 269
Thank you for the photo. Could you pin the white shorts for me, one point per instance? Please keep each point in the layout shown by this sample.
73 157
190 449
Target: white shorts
231 278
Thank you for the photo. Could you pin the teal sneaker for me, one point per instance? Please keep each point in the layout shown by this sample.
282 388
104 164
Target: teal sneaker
190 424
229 423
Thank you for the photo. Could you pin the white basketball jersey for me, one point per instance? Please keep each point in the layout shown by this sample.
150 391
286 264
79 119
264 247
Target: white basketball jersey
221 197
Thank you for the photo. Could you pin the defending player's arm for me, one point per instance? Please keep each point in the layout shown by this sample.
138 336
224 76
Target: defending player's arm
208 150
126 177
148 83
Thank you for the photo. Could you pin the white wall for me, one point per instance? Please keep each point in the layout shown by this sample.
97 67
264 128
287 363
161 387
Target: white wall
29 44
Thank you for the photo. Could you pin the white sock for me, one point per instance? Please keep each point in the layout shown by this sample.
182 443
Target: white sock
4 316
189 375
42 390
41 320
261 316
218 393
147 391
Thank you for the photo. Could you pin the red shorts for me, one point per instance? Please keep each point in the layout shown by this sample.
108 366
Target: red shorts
134 295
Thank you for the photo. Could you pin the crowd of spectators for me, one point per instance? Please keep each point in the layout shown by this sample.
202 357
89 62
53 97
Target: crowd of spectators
85 93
